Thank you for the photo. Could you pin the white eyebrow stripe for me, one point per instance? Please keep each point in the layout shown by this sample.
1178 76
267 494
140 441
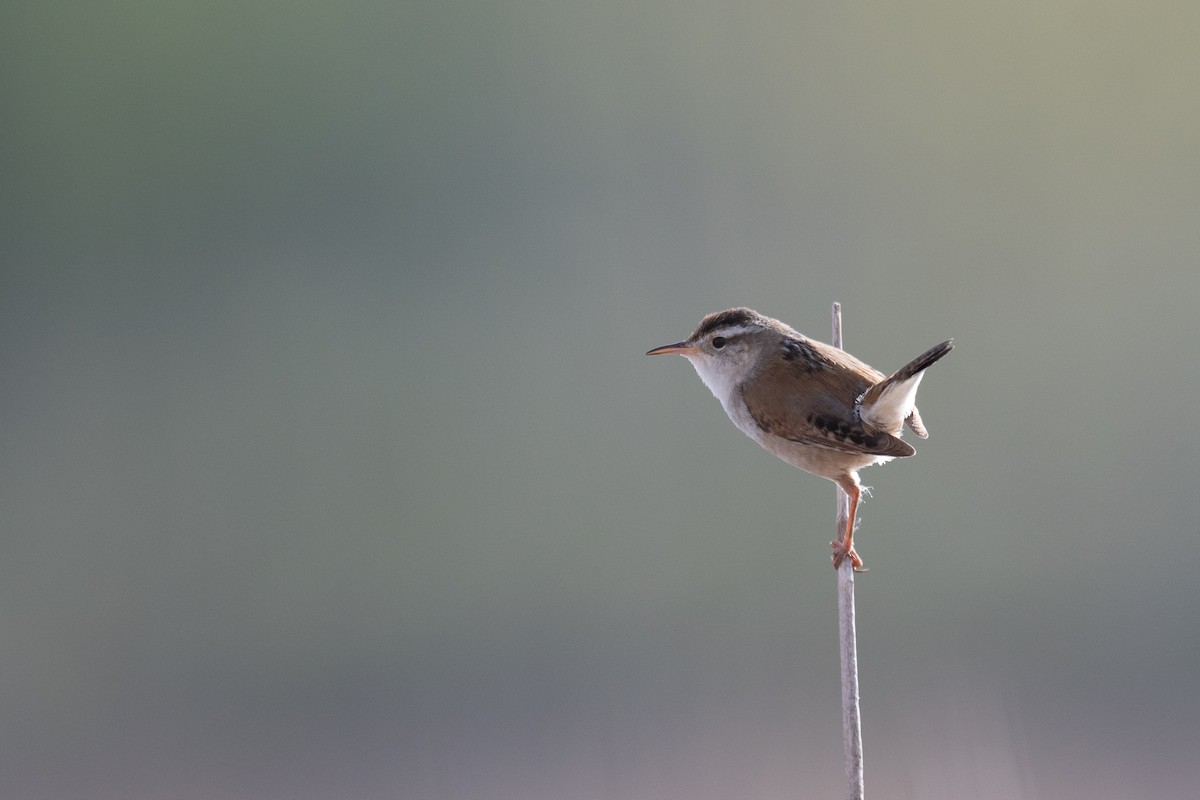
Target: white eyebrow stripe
730 330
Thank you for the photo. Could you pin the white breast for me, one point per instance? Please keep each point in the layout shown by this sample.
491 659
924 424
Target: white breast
723 380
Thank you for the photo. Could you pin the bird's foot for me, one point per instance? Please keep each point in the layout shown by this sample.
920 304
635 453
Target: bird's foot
841 553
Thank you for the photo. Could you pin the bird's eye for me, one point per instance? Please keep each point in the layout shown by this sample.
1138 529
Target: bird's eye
719 342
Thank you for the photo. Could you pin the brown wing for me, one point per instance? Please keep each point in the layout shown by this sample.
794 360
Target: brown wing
806 393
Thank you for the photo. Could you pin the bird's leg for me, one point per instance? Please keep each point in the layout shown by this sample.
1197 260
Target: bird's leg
845 546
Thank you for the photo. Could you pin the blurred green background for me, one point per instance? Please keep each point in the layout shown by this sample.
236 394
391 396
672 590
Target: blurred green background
330 465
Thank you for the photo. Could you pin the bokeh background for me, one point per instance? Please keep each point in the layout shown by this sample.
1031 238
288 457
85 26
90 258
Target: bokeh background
330 465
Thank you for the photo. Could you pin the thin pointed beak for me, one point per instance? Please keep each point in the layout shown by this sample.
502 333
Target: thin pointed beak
679 349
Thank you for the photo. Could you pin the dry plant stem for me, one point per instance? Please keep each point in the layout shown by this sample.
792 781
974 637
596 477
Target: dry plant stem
851 724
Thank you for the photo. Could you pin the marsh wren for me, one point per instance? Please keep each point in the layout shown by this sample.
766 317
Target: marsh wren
815 406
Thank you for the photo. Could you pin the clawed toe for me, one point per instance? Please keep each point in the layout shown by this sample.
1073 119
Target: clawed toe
840 553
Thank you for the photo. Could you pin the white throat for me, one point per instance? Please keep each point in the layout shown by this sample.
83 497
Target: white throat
723 379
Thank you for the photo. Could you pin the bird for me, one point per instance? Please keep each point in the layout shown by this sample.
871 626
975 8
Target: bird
813 405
